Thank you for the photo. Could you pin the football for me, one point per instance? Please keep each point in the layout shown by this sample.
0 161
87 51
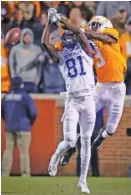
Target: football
13 36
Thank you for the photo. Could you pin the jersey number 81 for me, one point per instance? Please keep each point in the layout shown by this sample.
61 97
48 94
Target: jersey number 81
72 68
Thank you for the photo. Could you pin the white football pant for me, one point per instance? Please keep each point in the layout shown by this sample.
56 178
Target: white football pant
82 110
111 96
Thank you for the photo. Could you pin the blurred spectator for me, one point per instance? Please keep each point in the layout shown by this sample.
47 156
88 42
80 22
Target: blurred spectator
18 21
25 61
109 9
125 40
120 19
37 8
45 5
91 6
75 17
77 3
52 80
7 10
128 77
65 7
86 12
28 8
55 4
38 27
5 77
43 18
19 113
62 7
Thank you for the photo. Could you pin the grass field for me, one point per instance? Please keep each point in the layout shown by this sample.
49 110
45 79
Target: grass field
64 186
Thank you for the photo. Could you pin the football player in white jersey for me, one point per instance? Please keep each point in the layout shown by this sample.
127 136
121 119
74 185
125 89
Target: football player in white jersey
76 64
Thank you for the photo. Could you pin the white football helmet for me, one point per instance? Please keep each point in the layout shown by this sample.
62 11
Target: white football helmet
99 23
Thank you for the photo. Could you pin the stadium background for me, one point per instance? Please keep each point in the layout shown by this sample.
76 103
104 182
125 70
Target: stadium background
115 154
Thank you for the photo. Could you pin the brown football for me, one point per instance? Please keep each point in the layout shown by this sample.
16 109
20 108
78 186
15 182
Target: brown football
13 36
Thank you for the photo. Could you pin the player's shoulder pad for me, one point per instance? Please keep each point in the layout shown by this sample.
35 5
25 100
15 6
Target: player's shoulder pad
112 32
59 45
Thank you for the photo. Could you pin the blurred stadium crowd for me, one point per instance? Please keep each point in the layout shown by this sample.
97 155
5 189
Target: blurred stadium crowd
34 65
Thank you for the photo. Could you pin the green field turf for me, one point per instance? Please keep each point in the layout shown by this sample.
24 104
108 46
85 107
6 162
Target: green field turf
64 186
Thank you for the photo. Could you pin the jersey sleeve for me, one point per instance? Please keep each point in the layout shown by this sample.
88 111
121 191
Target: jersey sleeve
112 32
59 46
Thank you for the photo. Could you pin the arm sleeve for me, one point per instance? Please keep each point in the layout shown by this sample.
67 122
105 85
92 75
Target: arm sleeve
101 9
31 108
12 64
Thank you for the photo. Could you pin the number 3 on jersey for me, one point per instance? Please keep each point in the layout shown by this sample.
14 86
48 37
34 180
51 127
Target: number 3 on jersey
72 69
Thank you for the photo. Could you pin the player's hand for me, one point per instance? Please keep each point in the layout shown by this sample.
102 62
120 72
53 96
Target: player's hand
57 17
52 10
52 15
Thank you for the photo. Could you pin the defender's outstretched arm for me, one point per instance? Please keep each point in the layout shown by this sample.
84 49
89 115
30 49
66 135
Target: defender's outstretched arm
100 37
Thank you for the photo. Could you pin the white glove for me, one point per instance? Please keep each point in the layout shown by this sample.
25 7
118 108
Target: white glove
56 17
53 10
51 13
53 16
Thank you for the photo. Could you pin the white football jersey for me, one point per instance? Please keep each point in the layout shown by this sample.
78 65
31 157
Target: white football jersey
77 69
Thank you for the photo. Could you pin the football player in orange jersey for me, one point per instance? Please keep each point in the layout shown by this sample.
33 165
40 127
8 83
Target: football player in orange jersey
110 67
125 40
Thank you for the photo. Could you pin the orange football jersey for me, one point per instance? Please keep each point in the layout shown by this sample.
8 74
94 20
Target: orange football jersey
109 62
125 43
